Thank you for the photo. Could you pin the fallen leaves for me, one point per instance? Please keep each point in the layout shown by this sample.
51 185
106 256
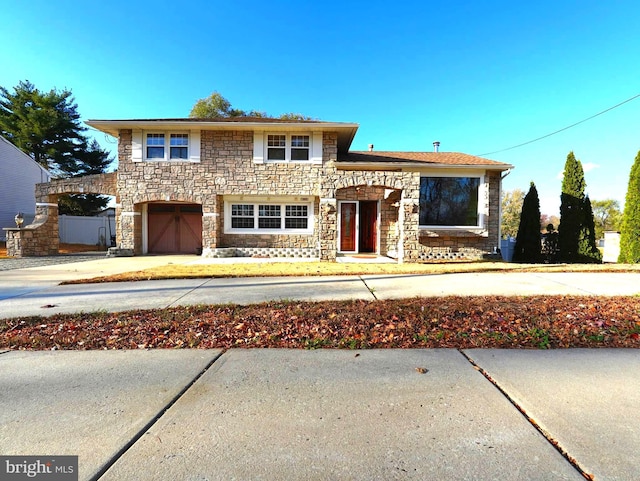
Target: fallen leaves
451 322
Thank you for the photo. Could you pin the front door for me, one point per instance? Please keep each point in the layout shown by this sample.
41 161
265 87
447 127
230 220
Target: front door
358 226
368 226
348 211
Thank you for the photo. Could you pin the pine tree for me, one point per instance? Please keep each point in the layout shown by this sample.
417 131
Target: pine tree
571 209
45 125
630 231
587 249
528 242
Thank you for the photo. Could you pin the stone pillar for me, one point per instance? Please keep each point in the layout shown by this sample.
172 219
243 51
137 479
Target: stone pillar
37 239
328 226
211 225
130 233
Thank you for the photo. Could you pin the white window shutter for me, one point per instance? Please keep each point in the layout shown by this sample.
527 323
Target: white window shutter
258 147
194 146
136 146
316 148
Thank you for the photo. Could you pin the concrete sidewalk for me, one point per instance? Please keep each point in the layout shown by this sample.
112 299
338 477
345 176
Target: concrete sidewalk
326 414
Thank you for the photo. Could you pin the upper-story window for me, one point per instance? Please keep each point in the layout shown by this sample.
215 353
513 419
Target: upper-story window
159 144
286 147
179 146
155 146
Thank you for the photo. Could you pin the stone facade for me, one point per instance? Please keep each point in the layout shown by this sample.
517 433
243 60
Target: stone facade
227 172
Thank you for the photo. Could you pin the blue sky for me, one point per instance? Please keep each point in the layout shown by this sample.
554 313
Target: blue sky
477 76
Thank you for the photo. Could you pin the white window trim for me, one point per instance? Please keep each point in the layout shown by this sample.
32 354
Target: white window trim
260 148
483 202
139 146
256 230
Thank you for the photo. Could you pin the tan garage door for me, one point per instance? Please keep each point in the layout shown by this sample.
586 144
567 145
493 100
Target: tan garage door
175 228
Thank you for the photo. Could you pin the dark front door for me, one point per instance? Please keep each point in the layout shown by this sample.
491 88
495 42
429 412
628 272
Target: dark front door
348 226
368 226
175 228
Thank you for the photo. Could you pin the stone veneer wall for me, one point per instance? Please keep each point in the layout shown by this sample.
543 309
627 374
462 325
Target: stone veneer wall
41 237
226 168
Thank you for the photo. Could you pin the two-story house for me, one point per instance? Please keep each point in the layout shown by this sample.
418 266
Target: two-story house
267 187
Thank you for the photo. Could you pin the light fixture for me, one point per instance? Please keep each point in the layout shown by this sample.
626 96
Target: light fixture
19 218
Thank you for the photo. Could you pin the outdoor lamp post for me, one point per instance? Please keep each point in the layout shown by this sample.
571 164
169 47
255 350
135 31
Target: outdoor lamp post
19 218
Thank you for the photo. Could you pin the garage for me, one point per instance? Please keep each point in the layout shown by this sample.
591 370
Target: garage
175 228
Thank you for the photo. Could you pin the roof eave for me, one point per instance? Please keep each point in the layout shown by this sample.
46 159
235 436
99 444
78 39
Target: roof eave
346 131
400 164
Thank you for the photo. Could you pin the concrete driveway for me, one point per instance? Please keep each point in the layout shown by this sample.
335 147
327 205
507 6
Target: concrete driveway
35 291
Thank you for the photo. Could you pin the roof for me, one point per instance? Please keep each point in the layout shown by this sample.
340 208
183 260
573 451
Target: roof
451 159
346 131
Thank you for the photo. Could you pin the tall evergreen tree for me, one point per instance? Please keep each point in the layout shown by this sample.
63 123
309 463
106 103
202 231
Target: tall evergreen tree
587 249
630 231
528 242
46 126
571 209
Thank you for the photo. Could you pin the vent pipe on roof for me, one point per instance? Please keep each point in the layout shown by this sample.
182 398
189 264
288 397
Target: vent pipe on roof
370 147
436 146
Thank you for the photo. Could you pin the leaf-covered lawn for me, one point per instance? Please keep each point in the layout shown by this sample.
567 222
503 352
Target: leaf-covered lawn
452 322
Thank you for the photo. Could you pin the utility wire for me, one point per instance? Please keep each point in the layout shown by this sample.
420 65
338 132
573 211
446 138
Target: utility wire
561 130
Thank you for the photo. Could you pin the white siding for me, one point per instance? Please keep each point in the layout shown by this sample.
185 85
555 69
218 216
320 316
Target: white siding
19 175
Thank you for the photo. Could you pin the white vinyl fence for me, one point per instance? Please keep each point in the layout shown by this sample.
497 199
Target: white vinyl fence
96 231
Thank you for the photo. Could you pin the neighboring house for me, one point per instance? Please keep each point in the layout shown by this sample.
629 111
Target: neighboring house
19 175
269 187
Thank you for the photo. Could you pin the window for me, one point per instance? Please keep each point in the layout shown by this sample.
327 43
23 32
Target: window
276 147
269 217
296 217
179 146
157 148
299 147
281 147
242 216
449 201
260 217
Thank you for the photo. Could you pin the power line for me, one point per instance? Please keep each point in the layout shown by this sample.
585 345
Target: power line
563 129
